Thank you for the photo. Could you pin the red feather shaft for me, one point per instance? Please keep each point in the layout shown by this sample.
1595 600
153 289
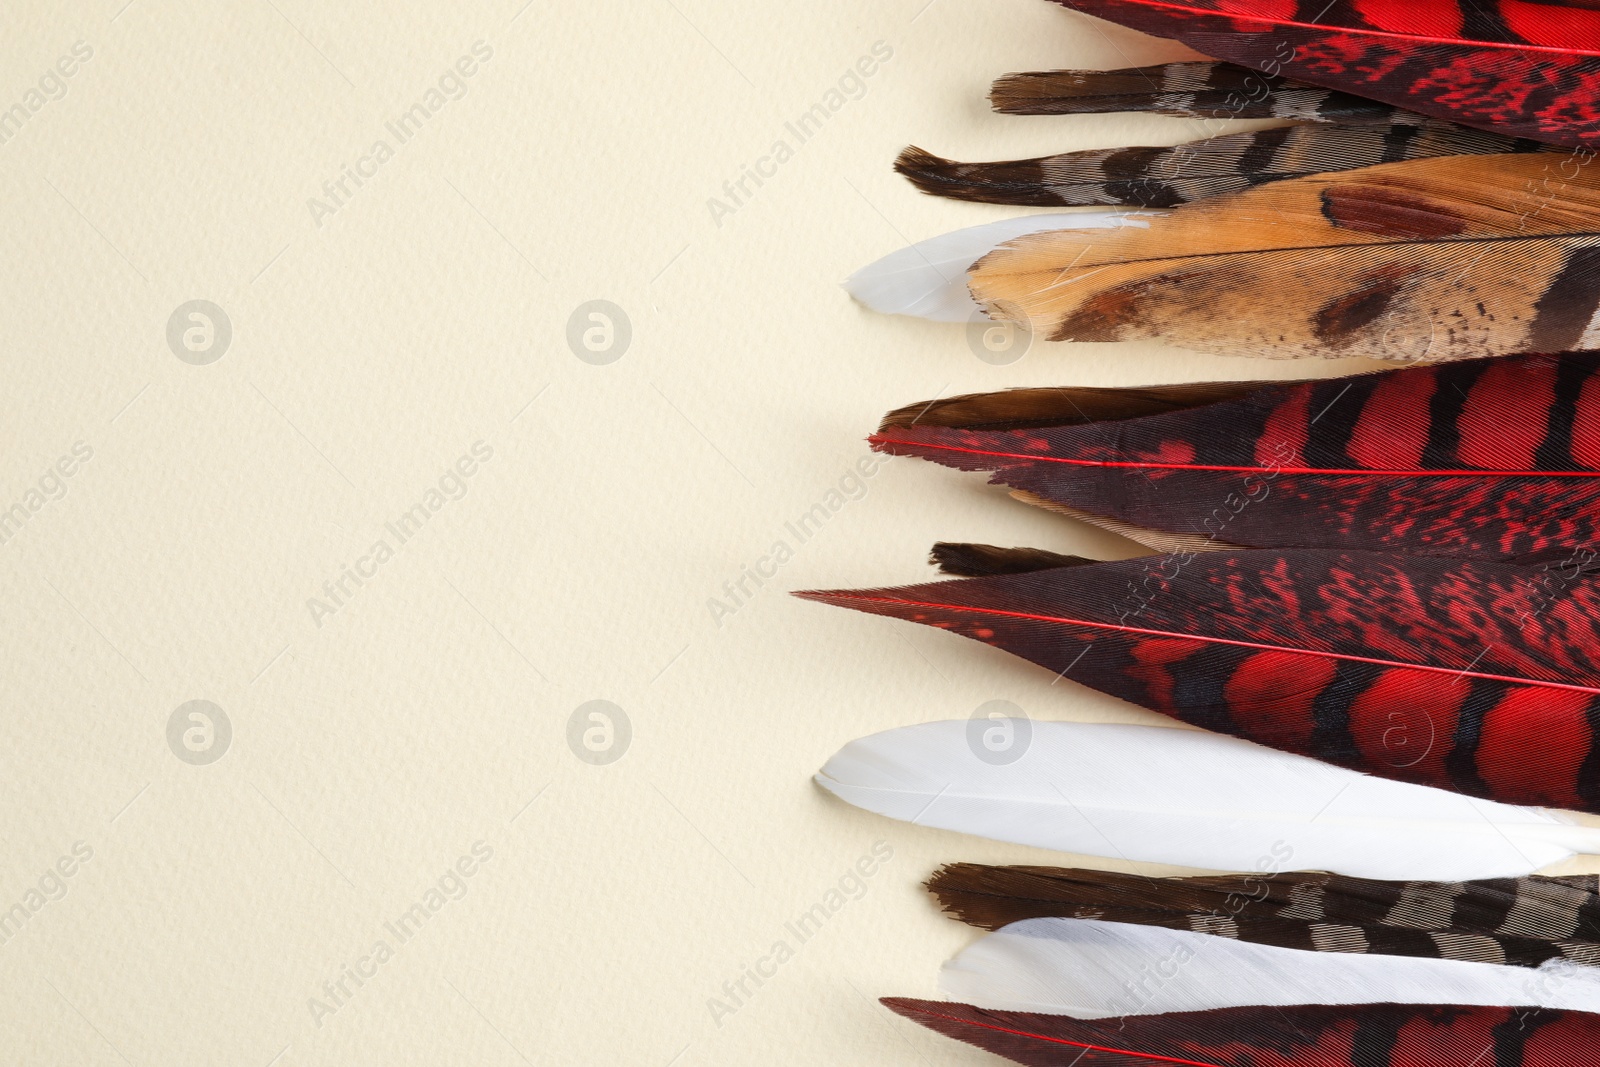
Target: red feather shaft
886 439
1145 632
926 1014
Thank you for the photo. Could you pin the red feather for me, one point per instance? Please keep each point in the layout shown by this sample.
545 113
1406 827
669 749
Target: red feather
1476 677
1527 69
1491 459
1363 1035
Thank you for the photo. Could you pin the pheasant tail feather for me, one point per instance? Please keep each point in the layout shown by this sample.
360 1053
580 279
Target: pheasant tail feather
1494 459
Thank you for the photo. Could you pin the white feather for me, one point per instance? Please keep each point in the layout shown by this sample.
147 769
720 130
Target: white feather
1157 795
1094 970
929 279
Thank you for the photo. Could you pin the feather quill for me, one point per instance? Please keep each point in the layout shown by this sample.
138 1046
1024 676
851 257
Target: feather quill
1091 969
1525 68
1432 259
1488 459
1313 1035
1524 922
1460 675
1149 794
1166 177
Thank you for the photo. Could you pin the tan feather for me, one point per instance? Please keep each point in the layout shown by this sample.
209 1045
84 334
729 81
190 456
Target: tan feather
1433 259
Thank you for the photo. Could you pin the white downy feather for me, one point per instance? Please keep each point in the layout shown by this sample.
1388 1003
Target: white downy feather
1093 970
1158 795
929 279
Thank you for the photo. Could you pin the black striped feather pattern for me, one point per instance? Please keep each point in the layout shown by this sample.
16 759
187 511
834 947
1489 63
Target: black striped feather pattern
1159 177
1518 921
1487 458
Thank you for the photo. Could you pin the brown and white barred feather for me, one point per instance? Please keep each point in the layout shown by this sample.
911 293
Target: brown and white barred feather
1521 921
1186 90
1168 176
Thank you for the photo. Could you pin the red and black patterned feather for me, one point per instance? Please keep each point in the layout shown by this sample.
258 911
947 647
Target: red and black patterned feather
1490 459
1476 677
1362 1035
1527 69
1523 922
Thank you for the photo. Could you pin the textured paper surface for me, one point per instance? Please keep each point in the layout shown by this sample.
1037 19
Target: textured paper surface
201 510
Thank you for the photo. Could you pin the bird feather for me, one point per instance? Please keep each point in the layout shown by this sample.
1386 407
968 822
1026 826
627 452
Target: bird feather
1311 1035
1432 259
1147 794
1161 177
1203 90
1091 969
1491 459
1519 921
1527 68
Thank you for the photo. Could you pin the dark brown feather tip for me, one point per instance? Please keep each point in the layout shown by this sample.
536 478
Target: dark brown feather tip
1020 181
981 561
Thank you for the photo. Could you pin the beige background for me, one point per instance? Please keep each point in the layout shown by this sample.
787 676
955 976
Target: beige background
374 345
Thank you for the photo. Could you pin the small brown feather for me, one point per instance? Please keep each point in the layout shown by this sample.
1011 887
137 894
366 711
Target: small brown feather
982 561
1189 90
1020 409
